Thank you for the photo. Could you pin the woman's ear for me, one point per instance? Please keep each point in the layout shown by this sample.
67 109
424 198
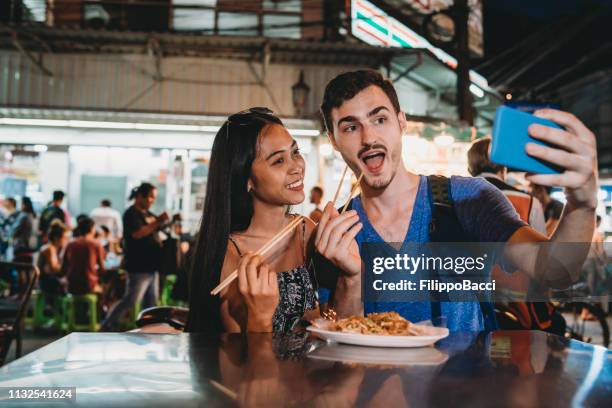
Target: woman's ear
249 186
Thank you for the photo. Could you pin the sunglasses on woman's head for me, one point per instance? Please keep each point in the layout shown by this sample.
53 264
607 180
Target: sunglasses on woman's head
247 114
245 117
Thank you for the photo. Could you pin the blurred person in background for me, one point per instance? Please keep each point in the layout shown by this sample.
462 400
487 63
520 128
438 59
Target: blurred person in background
480 165
52 212
50 259
552 208
316 197
83 261
76 232
105 215
142 251
10 214
594 270
22 231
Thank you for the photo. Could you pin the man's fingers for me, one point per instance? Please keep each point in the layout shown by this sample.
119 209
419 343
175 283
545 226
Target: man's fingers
558 137
567 179
331 225
349 236
336 235
567 120
556 156
323 221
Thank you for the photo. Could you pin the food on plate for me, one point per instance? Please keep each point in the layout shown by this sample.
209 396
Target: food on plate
382 324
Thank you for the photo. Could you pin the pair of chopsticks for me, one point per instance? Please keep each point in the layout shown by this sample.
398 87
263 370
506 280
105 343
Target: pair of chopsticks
355 187
286 230
261 251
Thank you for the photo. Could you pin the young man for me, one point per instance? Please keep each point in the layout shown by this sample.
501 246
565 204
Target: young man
552 208
106 215
365 124
52 212
84 260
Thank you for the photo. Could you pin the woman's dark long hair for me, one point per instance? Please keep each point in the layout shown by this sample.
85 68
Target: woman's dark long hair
228 207
26 206
142 190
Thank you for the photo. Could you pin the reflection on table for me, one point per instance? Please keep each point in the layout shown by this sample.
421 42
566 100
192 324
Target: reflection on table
525 368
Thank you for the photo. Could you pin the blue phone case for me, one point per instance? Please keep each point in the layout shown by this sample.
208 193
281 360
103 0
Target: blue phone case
510 135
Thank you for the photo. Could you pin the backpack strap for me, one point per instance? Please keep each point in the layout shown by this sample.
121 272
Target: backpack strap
445 227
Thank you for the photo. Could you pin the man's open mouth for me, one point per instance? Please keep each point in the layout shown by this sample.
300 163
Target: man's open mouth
373 160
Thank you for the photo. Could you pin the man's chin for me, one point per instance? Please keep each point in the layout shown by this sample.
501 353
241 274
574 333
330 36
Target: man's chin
379 182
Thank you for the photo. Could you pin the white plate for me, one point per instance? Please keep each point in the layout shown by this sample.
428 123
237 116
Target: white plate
423 356
430 335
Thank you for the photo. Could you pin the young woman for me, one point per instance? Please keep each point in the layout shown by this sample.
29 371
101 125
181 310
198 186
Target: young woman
256 173
50 261
22 232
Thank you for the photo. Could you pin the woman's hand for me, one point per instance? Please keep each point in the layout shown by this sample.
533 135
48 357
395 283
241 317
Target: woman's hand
258 286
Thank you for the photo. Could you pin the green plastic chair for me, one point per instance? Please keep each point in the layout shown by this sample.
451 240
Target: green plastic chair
166 296
70 305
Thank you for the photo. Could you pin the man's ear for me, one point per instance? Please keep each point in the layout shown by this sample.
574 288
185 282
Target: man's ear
401 117
332 139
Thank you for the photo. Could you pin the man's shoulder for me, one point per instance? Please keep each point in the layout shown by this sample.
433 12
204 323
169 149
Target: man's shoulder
463 188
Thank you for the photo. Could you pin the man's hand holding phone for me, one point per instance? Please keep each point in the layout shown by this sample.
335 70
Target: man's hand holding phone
574 149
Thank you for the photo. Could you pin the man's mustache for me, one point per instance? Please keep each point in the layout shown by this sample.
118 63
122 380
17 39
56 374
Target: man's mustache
367 148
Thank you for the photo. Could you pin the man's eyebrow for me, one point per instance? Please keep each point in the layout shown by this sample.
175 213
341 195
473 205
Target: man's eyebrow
371 113
377 110
282 150
347 119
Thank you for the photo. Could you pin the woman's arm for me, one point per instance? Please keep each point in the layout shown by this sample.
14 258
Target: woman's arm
150 228
55 266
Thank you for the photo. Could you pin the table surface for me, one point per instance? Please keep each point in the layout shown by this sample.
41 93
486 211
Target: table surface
514 369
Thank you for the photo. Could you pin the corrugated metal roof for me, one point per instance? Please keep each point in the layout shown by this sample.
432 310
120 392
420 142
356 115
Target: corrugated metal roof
40 38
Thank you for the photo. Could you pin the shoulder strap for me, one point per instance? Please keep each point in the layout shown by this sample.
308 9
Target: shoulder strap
445 227
235 245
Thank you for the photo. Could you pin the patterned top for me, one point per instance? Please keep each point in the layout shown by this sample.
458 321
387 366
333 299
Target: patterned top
296 293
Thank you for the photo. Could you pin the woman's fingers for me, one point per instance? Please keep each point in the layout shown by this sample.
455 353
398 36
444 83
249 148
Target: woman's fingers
243 282
251 273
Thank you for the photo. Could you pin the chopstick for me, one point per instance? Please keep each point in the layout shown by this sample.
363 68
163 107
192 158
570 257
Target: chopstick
355 187
340 185
261 251
224 389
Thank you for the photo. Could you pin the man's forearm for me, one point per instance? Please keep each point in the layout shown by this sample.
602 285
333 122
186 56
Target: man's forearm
347 298
569 246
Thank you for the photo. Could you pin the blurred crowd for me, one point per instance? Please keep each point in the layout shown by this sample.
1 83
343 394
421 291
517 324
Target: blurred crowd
121 258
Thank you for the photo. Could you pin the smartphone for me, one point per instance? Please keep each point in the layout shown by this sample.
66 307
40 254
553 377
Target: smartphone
510 135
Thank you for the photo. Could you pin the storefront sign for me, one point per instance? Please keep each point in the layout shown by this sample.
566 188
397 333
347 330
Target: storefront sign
373 26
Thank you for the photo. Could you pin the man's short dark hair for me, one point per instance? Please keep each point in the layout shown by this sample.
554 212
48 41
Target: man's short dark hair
318 190
345 86
105 203
12 201
58 195
85 225
478 158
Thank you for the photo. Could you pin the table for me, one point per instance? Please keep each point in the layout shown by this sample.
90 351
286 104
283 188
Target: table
514 369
